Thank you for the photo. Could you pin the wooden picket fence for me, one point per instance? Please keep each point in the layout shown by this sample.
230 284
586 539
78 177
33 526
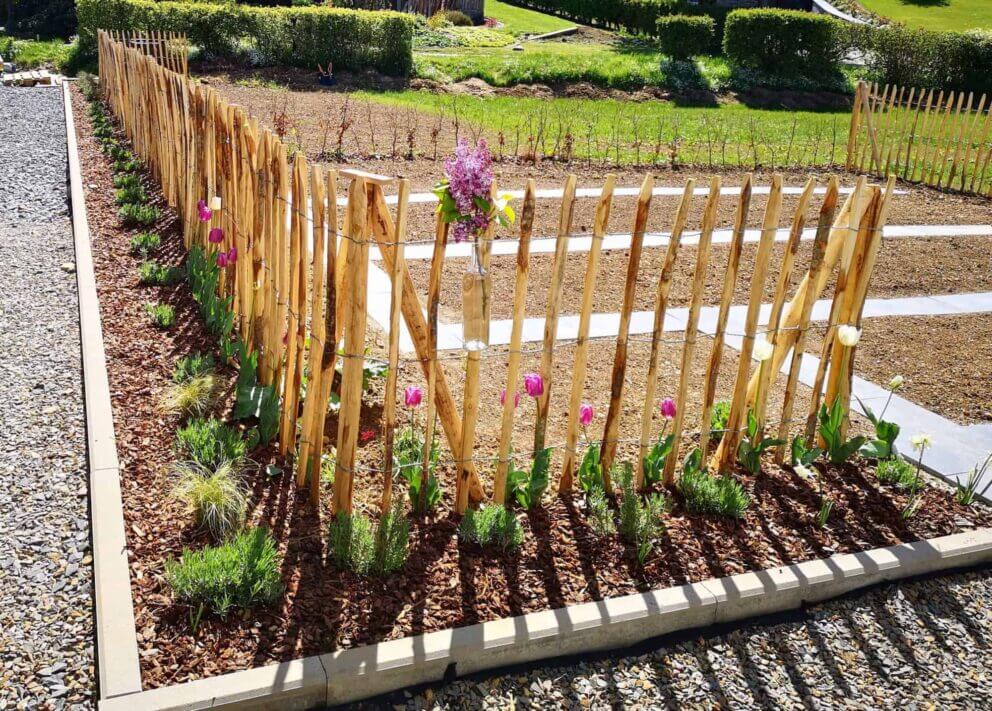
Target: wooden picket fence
300 278
934 137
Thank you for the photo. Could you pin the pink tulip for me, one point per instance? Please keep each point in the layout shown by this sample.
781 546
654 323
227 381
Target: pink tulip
534 385
215 236
668 408
502 398
222 259
232 255
585 414
413 396
205 212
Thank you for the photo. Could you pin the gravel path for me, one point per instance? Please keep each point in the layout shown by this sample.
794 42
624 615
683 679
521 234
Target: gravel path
920 645
46 624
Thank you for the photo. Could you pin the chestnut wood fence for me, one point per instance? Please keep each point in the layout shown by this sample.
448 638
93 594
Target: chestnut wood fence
300 278
934 137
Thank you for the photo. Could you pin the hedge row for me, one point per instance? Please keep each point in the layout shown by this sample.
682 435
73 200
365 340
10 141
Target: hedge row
297 36
637 16
684 36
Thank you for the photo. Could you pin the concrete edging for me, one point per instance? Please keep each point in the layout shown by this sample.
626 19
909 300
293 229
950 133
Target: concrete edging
116 639
355 674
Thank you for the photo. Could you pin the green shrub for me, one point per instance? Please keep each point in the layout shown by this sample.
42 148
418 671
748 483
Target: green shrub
127 180
127 166
719 417
152 273
211 443
162 315
296 36
192 366
132 193
135 214
214 497
456 18
239 574
41 18
684 36
640 519
637 16
896 471
785 42
145 243
708 494
600 514
365 549
492 525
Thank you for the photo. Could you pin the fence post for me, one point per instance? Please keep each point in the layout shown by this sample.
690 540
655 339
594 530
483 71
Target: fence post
852 134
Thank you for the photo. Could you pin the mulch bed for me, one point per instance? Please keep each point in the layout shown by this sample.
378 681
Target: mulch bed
442 584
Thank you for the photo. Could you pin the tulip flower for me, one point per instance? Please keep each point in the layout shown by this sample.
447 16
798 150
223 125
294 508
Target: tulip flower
205 212
502 398
586 413
215 203
668 408
920 442
232 255
215 236
896 382
849 336
222 259
413 396
534 385
763 350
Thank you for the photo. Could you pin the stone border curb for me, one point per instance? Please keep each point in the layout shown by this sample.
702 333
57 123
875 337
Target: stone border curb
116 639
355 674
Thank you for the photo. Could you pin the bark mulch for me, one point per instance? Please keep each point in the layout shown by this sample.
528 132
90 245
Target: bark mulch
442 584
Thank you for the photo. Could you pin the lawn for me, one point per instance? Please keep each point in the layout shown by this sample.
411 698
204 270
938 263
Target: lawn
935 14
520 21
649 131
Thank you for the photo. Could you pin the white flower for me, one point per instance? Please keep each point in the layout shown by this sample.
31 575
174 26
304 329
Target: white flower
920 442
215 203
848 336
896 382
762 350
804 472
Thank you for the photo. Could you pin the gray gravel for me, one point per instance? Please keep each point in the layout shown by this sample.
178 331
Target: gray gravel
46 625
919 645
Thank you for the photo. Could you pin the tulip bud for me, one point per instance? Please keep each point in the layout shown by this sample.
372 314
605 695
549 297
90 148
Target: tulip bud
586 413
763 350
848 336
215 203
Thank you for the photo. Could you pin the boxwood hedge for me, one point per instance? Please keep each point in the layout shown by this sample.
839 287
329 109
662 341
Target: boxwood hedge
297 36
684 36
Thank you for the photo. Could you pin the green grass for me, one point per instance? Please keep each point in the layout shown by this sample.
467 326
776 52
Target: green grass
956 15
32 54
520 21
644 132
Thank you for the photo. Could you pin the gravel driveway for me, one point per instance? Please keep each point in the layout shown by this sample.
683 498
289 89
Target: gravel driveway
920 645
46 622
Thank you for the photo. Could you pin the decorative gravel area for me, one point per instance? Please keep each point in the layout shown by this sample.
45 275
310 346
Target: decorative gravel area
923 644
46 618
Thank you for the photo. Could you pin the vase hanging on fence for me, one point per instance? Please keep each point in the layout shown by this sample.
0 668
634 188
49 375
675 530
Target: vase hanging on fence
475 302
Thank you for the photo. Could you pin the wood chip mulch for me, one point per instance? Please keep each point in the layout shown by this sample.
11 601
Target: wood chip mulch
442 584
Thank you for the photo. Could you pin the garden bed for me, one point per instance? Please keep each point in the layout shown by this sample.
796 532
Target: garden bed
442 584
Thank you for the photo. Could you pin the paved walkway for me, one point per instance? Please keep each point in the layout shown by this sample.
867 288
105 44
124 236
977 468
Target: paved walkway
921 645
46 626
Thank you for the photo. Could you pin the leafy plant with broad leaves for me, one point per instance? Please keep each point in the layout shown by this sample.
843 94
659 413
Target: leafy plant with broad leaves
800 454
252 399
408 462
654 462
526 487
754 444
590 474
883 445
839 450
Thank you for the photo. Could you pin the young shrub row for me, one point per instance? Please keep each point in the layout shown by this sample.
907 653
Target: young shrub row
298 36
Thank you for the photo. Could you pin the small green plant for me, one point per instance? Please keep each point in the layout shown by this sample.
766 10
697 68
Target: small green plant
192 396
122 153
152 273
800 454
357 545
707 494
754 444
920 443
135 214
492 525
162 315
526 487
883 445
145 243
965 494
252 399
896 471
192 366
654 462
719 418
640 519
214 497
131 194
328 465
238 574
210 443
839 450
127 166
590 473
826 508
600 513
408 453
127 180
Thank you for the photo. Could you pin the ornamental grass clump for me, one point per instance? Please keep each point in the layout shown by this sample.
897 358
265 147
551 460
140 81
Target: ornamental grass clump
210 443
491 526
238 574
966 492
215 498
192 396
708 494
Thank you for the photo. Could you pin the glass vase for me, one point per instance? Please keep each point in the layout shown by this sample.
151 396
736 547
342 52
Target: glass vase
475 303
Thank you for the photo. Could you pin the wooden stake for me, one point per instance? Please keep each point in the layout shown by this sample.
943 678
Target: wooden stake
909 168
961 124
852 135
969 140
429 356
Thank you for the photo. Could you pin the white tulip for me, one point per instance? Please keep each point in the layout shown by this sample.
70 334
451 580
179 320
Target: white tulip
762 350
215 203
896 382
849 336
804 472
920 442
